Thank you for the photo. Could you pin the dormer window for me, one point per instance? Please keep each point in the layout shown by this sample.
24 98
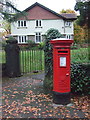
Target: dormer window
22 23
38 23
67 23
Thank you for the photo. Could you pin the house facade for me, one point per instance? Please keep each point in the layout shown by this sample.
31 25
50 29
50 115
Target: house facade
38 20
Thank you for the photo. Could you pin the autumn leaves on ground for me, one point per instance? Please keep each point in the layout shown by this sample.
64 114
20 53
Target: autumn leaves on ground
24 97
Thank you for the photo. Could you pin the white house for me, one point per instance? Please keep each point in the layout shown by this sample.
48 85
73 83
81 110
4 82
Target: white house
38 20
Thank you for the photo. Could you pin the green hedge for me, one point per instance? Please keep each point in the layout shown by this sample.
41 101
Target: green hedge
80 78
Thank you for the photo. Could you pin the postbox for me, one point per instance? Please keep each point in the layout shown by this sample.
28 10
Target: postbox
61 70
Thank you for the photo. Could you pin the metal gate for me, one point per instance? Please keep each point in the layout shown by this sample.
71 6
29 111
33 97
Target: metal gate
31 60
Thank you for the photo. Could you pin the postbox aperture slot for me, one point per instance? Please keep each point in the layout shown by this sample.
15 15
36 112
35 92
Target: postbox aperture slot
60 48
62 61
62 51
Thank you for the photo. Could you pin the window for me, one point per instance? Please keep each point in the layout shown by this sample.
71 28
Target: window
38 23
67 23
22 23
38 37
68 36
22 39
18 23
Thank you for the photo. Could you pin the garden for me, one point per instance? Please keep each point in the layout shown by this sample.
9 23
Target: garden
30 96
33 60
25 97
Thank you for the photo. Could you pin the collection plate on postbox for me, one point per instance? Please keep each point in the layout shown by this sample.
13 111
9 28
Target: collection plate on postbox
62 61
63 57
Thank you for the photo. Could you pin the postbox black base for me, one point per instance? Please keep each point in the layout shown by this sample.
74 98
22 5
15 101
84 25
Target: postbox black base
61 98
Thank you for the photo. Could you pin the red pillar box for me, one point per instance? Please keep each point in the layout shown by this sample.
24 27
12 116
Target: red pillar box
61 70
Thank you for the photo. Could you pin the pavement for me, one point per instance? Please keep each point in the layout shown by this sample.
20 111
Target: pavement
25 97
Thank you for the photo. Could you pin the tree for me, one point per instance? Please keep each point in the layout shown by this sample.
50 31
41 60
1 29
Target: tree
67 11
84 10
6 26
83 6
9 16
79 34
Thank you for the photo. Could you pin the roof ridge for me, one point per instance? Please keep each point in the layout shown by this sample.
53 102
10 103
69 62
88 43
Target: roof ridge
36 3
46 8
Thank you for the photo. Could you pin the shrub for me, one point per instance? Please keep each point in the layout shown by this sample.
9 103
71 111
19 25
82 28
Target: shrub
31 44
80 78
50 34
41 45
75 46
11 38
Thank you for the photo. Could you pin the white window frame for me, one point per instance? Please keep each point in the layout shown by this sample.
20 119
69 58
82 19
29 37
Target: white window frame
22 39
68 36
68 23
38 23
38 36
22 23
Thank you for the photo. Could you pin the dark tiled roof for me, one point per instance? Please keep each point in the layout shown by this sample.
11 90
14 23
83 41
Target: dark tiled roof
68 16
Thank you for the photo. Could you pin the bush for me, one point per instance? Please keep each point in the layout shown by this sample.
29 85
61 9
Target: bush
75 46
11 38
80 78
50 34
31 44
41 45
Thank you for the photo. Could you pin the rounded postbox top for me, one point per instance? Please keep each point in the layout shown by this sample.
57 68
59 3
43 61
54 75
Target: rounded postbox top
61 41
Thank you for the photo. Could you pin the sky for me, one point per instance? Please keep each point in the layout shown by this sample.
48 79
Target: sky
55 5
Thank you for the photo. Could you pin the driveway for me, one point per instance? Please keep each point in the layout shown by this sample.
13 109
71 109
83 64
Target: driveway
24 97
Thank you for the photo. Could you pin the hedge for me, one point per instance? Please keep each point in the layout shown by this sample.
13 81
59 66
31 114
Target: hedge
80 78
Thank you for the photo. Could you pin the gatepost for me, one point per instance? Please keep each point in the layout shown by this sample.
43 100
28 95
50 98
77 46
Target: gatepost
61 71
12 58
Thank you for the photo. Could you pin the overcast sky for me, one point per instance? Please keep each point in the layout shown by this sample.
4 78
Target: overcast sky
56 5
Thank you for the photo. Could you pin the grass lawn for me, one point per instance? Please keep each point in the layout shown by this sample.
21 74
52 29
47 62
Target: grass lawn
79 55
